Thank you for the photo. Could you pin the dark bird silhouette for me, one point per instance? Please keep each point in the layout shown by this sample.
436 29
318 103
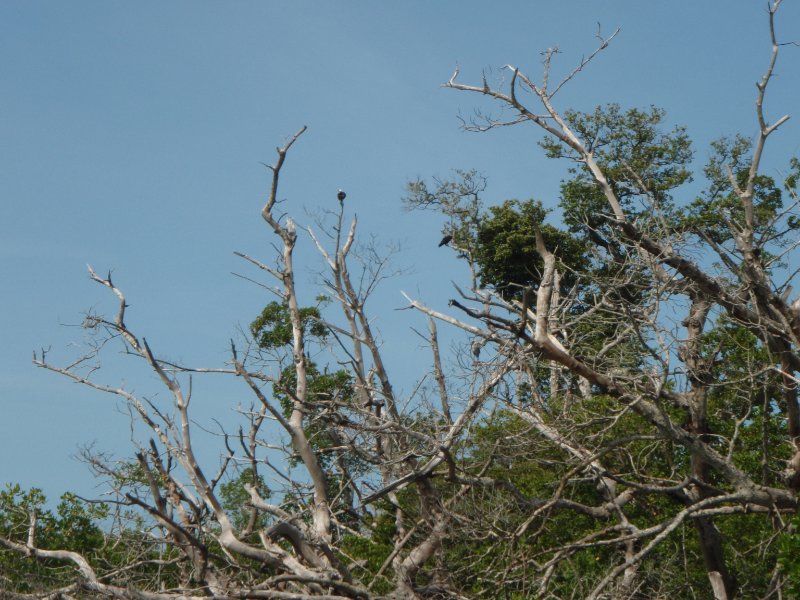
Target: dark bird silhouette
445 240
469 311
341 196
476 346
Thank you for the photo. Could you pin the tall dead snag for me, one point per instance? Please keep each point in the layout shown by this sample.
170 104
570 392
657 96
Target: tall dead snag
294 426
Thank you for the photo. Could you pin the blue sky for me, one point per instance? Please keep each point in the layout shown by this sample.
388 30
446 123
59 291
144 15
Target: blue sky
133 136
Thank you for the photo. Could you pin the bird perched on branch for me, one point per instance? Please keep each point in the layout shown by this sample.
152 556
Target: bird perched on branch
445 240
341 196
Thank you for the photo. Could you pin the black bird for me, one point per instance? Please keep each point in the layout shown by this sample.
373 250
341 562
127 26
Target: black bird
445 240
476 346
341 196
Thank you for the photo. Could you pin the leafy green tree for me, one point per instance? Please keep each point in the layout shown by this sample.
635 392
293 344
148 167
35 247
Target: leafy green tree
273 327
636 155
505 248
74 525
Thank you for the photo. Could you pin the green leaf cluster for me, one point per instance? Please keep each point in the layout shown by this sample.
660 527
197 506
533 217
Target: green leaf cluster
273 327
73 525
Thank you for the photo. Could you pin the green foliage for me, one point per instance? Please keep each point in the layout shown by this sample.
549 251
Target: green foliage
636 156
74 525
273 327
505 248
322 387
236 499
505 449
712 215
372 546
789 558
327 394
642 163
15 508
749 408
500 241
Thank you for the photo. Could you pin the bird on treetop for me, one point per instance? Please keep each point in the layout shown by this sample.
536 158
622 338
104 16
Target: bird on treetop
445 240
341 196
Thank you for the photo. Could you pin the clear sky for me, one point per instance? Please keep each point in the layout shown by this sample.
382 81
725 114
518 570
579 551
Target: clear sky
133 136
